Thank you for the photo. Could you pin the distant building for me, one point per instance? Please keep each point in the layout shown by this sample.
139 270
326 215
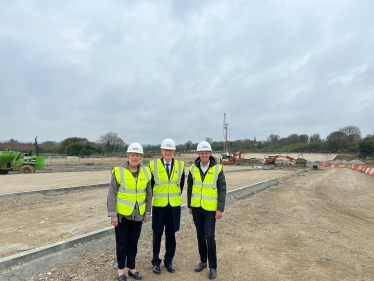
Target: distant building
23 146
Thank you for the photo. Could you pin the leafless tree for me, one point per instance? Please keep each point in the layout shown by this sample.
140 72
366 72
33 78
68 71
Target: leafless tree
210 140
188 145
336 140
111 142
353 133
273 139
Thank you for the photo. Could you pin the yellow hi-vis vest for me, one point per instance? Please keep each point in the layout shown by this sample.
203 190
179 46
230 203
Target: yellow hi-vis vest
205 194
131 191
166 190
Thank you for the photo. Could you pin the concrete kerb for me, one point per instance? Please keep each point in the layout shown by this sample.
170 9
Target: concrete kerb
240 193
53 190
59 246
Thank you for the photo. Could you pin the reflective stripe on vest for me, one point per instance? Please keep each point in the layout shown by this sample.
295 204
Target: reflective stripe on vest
166 191
130 191
213 185
122 175
205 194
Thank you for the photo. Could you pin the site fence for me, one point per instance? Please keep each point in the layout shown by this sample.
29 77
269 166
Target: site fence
109 159
75 160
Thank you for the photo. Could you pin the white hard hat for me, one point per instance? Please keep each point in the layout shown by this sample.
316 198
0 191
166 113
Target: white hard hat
135 148
204 146
168 144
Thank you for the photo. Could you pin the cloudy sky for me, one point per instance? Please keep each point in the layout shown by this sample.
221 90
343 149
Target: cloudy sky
149 70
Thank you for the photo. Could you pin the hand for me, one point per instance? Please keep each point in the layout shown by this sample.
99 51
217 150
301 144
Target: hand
218 214
191 211
114 221
146 218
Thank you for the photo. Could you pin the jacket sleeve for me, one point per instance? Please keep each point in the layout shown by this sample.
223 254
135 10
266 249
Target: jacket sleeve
182 182
152 183
221 185
189 189
112 197
148 207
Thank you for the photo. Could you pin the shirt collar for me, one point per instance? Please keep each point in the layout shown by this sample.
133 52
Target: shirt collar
163 159
202 166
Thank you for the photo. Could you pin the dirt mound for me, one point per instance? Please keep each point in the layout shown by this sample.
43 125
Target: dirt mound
333 162
250 161
356 162
346 157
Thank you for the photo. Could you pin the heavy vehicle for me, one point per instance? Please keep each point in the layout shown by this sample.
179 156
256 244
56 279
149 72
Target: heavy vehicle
25 163
271 159
231 159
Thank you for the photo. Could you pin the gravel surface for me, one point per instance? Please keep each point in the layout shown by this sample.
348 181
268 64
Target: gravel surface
25 182
316 226
31 221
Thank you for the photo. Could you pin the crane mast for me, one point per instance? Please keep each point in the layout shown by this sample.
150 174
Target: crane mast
225 129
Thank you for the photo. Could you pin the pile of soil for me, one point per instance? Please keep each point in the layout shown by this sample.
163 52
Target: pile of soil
356 162
346 157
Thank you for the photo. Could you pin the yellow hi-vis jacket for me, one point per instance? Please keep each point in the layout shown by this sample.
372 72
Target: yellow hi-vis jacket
166 191
205 194
131 191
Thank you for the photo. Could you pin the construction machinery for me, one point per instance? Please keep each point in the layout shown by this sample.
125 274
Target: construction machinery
25 163
300 161
227 158
231 159
271 159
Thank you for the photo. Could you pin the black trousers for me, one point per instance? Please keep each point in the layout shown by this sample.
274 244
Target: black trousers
127 236
205 222
170 242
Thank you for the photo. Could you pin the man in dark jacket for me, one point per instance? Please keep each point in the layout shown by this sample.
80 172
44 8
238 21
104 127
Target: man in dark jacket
167 184
206 196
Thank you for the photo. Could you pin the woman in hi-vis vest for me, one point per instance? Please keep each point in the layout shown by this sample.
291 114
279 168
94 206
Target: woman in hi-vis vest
129 205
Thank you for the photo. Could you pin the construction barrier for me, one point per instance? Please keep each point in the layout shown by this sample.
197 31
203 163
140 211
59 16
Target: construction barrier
360 168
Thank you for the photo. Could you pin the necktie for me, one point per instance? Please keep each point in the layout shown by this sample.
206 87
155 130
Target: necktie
167 169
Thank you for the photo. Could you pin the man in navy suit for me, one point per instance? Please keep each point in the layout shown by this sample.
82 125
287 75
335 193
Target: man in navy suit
167 184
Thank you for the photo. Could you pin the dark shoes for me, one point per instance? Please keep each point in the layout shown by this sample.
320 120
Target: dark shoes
122 277
170 268
212 273
156 269
136 275
200 266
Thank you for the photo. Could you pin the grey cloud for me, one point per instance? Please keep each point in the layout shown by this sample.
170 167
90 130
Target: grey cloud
150 70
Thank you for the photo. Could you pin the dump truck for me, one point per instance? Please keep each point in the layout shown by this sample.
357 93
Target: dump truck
23 162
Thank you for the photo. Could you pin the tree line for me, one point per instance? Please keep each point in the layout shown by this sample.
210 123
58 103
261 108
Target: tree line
347 139
76 146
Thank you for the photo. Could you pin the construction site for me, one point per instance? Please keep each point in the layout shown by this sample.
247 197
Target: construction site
283 223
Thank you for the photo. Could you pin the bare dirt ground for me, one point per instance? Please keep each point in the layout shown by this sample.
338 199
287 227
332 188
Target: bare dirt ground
187 157
26 182
32 221
115 160
316 226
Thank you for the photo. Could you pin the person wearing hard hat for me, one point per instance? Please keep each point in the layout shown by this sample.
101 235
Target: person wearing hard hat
129 205
167 183
206 196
